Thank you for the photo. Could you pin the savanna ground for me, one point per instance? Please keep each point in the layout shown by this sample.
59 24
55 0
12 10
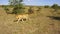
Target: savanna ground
39 23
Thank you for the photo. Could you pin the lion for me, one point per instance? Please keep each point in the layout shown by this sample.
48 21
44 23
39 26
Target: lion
22 17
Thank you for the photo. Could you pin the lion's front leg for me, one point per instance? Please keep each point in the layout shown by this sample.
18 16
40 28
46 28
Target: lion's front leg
18 20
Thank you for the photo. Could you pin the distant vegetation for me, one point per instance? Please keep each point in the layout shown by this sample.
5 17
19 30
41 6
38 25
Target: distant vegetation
19 9
30 10
55 6
46 6
18 6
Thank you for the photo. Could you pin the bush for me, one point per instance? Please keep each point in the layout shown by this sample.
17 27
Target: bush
30 11
17 6
38 8
18 9
11 6
2 5
6 9
46 6
55 6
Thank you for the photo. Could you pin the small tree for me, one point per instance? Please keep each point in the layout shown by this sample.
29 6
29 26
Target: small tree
18 9
18 6
15 2
55 6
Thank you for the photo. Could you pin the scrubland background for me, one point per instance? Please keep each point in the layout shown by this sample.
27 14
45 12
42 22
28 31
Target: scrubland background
39 23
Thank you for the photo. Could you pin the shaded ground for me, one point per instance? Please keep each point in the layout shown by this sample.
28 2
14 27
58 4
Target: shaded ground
38 24
54 17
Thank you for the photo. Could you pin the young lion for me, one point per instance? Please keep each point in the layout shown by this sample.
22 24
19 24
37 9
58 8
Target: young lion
22 17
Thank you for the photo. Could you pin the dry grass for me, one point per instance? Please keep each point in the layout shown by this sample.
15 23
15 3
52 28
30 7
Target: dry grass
38 23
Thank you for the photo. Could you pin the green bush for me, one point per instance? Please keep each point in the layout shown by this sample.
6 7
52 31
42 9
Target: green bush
46 6
18 9
55 6
17 6
6 9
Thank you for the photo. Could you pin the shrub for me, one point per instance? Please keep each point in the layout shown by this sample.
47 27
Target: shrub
38 8
18 9
30 10
55 6
2 5
6 9
17 6
46 6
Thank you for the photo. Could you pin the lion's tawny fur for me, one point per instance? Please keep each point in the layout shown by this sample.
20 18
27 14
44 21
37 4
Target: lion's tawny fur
21 16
